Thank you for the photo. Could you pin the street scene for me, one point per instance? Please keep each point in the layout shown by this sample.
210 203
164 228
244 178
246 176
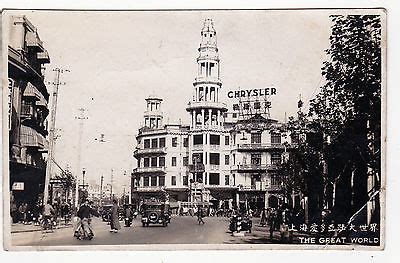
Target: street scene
204 127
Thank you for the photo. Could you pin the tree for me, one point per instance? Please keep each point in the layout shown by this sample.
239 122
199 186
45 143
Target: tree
348 106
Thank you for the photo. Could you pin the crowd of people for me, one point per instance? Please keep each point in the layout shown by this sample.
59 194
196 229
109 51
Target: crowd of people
23 213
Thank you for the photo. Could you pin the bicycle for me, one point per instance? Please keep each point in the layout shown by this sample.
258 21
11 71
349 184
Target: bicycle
47 224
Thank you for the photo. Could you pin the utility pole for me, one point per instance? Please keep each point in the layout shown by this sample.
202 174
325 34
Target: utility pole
112 181
81 119
101 190
52 135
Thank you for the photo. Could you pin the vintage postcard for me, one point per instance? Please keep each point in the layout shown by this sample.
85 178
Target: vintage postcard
194 129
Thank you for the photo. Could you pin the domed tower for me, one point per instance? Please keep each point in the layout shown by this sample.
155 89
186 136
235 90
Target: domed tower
153 116
205 108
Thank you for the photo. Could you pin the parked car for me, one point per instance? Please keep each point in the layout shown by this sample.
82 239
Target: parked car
155 212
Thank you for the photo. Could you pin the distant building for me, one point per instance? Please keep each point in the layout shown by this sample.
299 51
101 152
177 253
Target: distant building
219 159
28 98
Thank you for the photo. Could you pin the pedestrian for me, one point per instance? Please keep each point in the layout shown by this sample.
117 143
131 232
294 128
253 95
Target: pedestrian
22 212
263 218
272 223
14 212
114 222
200 215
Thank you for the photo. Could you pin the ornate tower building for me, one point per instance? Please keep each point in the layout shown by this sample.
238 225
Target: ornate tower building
205 108
208 169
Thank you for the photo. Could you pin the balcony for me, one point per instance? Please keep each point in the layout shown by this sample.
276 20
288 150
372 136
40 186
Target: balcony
260 146
149 188
139 152
198 147
27 112
276 187
157 169
246 168
259 186
206 105
33 41
43 57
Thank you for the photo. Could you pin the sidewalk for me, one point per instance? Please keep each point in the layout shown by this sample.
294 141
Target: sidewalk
21 228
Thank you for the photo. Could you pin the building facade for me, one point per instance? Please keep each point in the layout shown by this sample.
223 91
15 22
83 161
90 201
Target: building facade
221 161
28 110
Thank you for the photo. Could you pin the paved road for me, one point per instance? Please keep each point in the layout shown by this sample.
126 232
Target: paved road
182 230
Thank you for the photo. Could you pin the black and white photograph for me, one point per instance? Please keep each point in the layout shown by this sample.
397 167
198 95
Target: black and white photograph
194 129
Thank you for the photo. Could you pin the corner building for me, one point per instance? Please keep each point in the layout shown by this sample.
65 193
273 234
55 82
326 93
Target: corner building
28 110
219 159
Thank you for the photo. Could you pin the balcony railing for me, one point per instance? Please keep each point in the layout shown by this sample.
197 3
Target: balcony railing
149 188
198 147
254 167
258 187
214 167
206 104
32 40
43 57
138 152
157 169
27 111
260 146
276 187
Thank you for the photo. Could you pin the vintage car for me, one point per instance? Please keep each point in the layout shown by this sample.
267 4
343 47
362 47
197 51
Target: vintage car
155 212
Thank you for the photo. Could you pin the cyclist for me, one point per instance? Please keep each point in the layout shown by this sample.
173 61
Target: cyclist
48 212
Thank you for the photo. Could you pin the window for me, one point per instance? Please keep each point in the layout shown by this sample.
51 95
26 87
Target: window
295 138
174 141
154 143
214 178
153 180
185 142
162 142
161 180
153 161
275 180
226 159
214 158
185 161
145 181
234 115
173 180
173 161
226 179
197 158
198 139
161 161
275 138
147 143
275 158
256 137
226 140
256 159
185 180
214 139
146 162
234 159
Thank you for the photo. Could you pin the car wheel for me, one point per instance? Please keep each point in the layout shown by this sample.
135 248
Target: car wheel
143 224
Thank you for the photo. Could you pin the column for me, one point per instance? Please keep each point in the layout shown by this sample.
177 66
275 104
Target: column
209 117
193 118
217 95
202 117
218 117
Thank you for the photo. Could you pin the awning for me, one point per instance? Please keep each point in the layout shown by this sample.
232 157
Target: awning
31 138
32 91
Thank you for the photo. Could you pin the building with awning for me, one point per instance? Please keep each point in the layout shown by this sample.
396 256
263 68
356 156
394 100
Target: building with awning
28 111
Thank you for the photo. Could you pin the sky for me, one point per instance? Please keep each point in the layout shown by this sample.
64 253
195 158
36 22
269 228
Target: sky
117 59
